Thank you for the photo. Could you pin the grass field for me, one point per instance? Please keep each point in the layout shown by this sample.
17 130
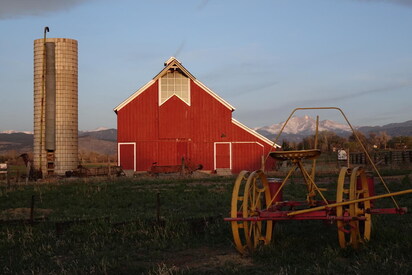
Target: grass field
112 226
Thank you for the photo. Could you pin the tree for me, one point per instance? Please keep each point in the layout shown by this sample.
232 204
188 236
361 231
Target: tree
354 142
308 142
326 141
401 142
383 139
285 145
373 140
338 142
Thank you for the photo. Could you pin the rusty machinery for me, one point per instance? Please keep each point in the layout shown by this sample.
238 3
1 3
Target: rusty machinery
256 203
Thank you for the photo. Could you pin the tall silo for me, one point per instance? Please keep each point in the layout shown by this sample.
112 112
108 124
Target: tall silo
55 105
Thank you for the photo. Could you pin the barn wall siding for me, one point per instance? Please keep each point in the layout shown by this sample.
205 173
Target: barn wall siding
127 155
138 120
202 153
247 155
210 119
174 119
222 155
243 135
146 155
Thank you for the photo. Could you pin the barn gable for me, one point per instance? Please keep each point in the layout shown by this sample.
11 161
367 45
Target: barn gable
175 117
170 66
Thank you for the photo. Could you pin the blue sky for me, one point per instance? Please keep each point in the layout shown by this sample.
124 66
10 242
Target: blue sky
263 57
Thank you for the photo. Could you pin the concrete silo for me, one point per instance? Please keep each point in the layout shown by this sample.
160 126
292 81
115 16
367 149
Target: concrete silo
55 105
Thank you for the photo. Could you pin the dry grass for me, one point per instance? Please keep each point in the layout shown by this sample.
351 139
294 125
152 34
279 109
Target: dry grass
24 213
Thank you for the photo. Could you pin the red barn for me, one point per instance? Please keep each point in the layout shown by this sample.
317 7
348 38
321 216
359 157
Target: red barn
175 116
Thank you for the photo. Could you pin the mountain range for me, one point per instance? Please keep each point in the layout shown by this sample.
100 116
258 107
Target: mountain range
300 127
103 140
303 126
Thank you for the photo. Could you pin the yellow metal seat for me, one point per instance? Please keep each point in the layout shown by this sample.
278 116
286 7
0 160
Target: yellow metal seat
295 155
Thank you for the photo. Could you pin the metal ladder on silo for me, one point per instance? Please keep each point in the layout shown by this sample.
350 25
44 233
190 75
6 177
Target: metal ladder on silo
50 162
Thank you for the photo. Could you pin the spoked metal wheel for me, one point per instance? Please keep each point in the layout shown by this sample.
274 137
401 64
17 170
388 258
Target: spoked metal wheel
354 230
256 198
342 194
359 188
236 211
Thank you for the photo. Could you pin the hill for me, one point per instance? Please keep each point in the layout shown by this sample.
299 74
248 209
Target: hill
393 129
19 142
100 134
100 146
102 142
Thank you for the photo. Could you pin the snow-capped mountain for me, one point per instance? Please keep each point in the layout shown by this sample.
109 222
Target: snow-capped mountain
97 129
15 132
299 127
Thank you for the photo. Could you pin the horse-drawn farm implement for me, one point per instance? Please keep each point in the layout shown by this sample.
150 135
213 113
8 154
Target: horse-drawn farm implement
257 203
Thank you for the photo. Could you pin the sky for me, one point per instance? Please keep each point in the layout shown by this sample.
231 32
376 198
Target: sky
263 57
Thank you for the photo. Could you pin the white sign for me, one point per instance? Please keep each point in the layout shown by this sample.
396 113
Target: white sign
3 168
342 155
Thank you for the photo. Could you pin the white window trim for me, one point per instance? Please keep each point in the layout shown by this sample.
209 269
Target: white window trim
214 154
260 144
134 152
189 99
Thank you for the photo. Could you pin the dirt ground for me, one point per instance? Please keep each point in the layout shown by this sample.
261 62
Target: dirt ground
204 259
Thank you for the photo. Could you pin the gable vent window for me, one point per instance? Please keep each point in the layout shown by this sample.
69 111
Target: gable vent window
174 83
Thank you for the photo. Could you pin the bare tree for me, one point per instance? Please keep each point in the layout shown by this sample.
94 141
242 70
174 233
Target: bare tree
383 138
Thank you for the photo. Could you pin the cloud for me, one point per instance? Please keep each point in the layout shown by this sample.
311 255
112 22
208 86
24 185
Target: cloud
384 89
326 98
202 4
262 114
250 88
19 8
399 2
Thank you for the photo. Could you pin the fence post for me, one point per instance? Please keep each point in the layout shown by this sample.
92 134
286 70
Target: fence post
32 210
158 207
8 180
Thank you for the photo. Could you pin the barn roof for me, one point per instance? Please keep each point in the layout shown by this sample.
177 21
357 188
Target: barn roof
256 134
173 64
